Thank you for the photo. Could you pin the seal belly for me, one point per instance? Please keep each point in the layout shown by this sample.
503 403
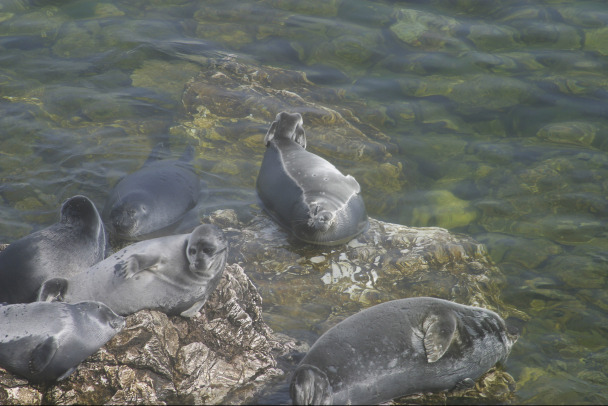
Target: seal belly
309 196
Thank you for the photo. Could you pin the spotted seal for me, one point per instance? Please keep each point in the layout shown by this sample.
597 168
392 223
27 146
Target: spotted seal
63 249
173 274
154 200
305 193
46 342
398 348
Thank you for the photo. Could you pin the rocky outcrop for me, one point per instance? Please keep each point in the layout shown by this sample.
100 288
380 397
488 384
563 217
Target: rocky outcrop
228 354
222 356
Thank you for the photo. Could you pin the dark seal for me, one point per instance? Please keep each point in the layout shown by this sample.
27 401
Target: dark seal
45 342
63 249
155 200
173 274
399 348
303 192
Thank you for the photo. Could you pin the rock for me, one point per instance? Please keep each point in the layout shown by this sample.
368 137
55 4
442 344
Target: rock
229 354
224 355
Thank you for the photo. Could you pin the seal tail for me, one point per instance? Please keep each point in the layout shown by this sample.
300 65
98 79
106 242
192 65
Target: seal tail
310 386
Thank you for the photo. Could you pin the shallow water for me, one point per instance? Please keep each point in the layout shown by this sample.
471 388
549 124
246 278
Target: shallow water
498 109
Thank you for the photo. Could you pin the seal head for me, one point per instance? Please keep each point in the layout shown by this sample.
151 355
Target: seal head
156 200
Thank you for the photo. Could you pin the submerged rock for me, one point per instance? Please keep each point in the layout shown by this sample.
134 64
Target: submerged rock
231 105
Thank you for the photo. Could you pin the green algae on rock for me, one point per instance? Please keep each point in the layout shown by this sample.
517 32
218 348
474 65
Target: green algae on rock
231 105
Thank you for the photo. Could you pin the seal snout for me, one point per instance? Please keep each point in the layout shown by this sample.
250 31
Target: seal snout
319 219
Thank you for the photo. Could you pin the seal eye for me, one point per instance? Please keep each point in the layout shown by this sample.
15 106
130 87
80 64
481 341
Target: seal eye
191 251
208 250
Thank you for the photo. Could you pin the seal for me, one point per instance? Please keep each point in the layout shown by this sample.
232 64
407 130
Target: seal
63 249
47 341
155 200
173 274
399 348
303 192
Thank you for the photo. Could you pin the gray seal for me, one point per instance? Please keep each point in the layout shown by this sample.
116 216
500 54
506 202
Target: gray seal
63 249
173 274
303 192
46 342
399 348
155 200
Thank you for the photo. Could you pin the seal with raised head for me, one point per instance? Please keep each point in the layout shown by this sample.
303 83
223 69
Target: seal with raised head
47 341
155 200
303 192
174 274
63 249
399 348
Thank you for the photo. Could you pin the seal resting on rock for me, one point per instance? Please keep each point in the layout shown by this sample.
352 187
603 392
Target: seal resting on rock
173 274
399 348
156 200
63 249
303 192
46 341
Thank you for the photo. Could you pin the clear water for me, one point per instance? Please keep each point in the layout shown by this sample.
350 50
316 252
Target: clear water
499 110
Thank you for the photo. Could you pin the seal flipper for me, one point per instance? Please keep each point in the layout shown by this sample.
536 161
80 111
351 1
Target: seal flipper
67 373
310 386
135 264
438 334
160 151
53 290
194 309
42 355
466 383
270 134
188 154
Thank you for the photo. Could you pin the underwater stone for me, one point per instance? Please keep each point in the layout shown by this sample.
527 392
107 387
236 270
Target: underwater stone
443 209
429 30
570 132
596 40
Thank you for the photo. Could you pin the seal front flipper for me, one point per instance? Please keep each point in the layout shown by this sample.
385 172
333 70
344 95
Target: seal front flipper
466 383
194 309
53 290
42 355
310 386
438 334
134 264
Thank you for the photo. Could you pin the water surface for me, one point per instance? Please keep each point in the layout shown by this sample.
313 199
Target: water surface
499 110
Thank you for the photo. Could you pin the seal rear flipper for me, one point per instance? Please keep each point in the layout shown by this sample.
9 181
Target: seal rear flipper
438 335
53 290
310 386
270 134
160 151
188 154
42 356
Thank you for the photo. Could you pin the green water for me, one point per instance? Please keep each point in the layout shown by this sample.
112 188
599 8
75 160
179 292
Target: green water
499 110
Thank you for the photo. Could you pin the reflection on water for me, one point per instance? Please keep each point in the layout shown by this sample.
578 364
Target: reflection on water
498 110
